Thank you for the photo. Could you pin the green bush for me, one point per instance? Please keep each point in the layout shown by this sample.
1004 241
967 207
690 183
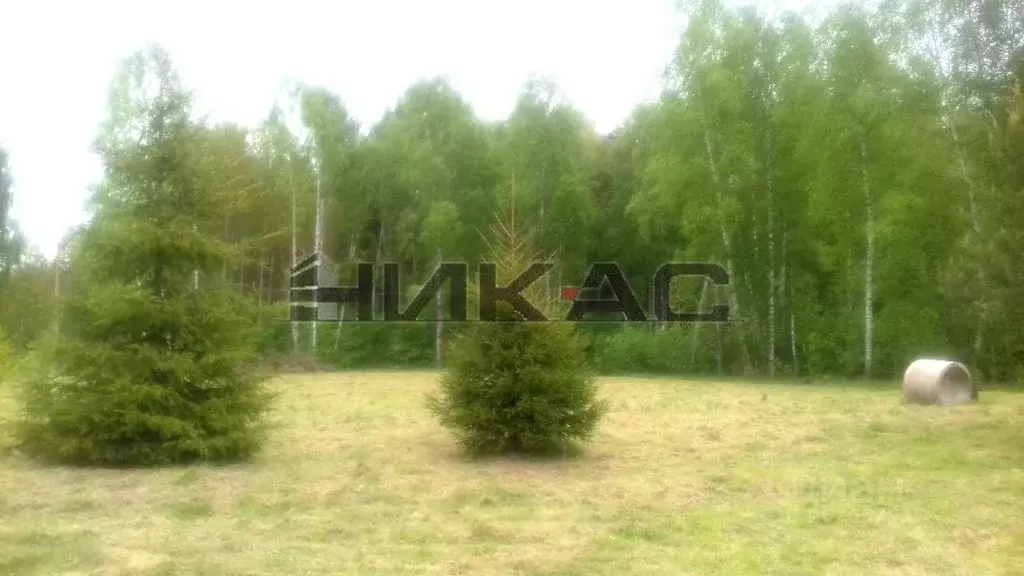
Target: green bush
274 332
641 350
140 380
376 345
153 359
518 387
360 345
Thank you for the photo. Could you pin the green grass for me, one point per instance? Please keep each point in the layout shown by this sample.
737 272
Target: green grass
684 477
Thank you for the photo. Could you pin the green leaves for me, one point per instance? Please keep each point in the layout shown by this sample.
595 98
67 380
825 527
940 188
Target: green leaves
11 241
514 386
150 364
752 157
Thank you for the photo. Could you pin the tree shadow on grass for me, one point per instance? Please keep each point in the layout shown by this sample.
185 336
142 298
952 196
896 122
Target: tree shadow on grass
561 453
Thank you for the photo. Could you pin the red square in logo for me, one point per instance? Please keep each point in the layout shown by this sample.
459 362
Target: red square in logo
569 292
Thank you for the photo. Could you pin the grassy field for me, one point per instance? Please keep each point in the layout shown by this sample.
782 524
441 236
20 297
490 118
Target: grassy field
699 478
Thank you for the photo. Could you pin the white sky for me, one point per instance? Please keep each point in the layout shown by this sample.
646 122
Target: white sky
58 58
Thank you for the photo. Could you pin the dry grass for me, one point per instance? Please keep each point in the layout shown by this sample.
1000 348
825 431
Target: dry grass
698 478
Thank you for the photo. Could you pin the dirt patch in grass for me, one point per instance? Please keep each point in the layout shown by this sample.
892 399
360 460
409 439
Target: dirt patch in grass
683 478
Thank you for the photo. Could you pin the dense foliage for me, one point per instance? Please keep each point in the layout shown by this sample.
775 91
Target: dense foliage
149 365
859 176
514 386
10 255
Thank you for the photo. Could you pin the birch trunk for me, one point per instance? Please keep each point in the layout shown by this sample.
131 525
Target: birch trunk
377 256
753 233
58 261
718 332
295 251
259 288
733 300
771 265
753 300
56 289
56 272
317 249
227 232
753 363
439 330
341 313
195 272
869 284
558 274
972 207
786 295
380 245
695 340
792 342
547 277
972 204
652 323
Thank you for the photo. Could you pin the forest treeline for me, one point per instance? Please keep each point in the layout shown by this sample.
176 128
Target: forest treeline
861 178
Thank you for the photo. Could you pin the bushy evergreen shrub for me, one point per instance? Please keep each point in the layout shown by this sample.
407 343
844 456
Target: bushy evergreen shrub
153 359
513 386
141 381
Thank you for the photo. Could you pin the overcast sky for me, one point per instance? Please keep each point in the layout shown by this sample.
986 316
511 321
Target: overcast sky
57 60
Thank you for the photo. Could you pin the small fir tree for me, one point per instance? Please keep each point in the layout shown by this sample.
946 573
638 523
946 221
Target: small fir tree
148 365
514 386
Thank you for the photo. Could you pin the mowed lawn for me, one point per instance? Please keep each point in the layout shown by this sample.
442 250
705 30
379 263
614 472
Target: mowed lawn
684 477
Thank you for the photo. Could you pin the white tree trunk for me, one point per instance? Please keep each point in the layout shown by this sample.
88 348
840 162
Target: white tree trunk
540 234
773 289
972 204
259 290
57 262
380 252
718 334
318 247
752 363
341 314
975 226
869 284
439 330
734 303
195 272
227 232
792 343
295 250
695 339
558 273
753 235
786 294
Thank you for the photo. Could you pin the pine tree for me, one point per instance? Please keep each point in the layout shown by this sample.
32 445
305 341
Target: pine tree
514 386
149 364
